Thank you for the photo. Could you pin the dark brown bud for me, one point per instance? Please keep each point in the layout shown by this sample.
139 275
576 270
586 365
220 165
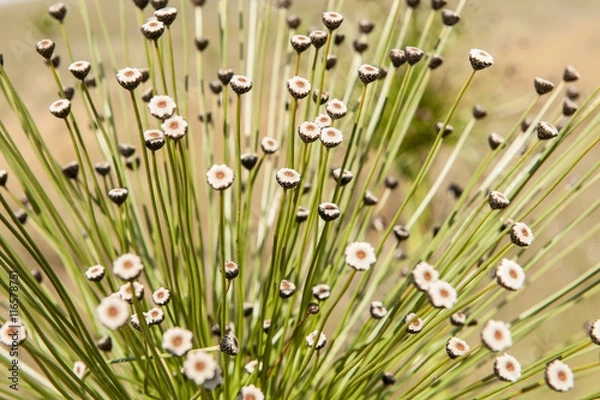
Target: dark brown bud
141 4
398 57
225 76
300 43
573 93
313 308
332 20
58 11
436 61
339 38
365 26
413 55
249 160
71 170
331 61
542 86
126 149
447 130
104 343
69 92
450 18
360 45
438 4
569 107
479 111
45 48
293 21
413 3
215 87
158 4
525 124
390 182
318 38
102 168
401 233
570 74
201 43
118 195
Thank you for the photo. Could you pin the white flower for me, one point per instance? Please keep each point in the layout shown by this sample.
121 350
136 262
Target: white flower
423 275
321 291
323 120
287 178
161 107
559 376
331 137
250 393
175 127
441 294
336 109
480 59
595 332
79 368
129 78
456 347
360 256
12 333
521 235
377 310
161 296
113 312
507 368
298 87
309 131
154 316
177 341
125 291
310 340
496 335
269 145
128 266
219 177
95 273
510 275
199 366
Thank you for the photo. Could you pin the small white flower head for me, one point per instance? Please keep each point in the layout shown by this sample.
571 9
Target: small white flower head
177 341
328 211
332 20
232 270
118 195
415 324
135 322
546 131
166 15
240 84
310 340
161 296
377 310
60 108
298 87
498 200
251 366
496 335
507 368
288 178
95 273
321 291
510 275
346 177
154 139
559 376
286 289
495 140
323 120
269 145
154 316
162 107
595 332
219 177
113 312
199 366
367 73
125 291
480 59
521 235
12 333
79 368
229 344
360 256
423 275
153 29
336 109
458 318
300 43
441 294
175 127
129 78
331 137
128 267
250 393
456 347
309 131
80 69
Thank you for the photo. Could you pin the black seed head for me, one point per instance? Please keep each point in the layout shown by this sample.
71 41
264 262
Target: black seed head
45 48
104 343
201 43
398 57
225 76
450 18
413 55
71 170
438 4
436 61
360 45
571 74
293 21
479 111
365 26
249 160
542 86
318 38
569 108
126 149
339 38
102 168
118 195
58 11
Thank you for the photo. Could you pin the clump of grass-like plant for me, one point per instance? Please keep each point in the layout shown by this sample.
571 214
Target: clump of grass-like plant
231 227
